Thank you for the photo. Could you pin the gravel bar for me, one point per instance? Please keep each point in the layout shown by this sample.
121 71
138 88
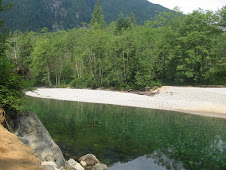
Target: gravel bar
195 100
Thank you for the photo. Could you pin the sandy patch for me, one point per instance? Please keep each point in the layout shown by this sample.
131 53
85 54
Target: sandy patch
195 100
14 155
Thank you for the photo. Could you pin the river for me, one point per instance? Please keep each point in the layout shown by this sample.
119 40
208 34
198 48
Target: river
133 138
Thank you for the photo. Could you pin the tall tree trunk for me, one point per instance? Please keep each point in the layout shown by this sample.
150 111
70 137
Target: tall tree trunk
100 72
56 79
77 70
16 52
59 80
48 75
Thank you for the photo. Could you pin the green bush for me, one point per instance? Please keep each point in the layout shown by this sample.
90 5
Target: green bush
11 86
77 83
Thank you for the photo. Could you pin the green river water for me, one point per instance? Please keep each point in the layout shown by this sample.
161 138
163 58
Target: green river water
133 138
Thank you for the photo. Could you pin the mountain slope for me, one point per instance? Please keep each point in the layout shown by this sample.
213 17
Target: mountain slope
143 9
63 14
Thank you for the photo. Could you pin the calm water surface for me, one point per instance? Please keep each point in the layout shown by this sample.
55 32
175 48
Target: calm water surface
134 138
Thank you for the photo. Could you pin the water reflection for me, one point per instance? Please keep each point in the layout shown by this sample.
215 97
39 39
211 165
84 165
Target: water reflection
120 136
142 162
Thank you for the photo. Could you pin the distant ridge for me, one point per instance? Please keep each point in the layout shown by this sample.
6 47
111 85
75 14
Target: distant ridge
63 14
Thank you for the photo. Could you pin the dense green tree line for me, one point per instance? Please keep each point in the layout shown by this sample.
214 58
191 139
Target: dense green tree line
172 49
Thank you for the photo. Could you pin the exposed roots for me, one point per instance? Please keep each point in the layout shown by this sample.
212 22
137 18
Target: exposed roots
3 118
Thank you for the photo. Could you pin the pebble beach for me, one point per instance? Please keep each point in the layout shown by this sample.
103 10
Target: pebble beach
195 100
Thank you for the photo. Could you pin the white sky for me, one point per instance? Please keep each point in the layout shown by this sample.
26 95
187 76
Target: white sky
187 6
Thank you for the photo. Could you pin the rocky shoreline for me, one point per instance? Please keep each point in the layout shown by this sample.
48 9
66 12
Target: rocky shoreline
32 133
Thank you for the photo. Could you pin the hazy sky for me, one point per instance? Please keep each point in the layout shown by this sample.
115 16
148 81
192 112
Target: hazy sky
187 6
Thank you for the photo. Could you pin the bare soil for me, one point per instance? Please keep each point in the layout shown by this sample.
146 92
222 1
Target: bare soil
14 155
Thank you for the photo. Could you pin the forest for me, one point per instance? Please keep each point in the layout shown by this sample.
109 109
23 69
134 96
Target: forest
172 49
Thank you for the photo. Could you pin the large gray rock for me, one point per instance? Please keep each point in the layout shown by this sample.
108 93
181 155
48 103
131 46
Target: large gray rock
32 132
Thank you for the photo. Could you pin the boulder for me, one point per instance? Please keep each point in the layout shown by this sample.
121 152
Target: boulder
88 160
71 164
100 166
32 133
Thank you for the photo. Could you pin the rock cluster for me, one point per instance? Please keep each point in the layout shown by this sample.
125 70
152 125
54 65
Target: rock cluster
87 162
31 132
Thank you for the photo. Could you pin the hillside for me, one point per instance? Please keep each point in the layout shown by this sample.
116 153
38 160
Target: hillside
64 14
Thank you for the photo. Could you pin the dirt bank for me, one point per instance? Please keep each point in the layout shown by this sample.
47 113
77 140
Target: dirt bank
14 155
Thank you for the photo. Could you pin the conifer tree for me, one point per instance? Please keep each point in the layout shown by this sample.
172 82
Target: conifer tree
123 23
98 16
132 18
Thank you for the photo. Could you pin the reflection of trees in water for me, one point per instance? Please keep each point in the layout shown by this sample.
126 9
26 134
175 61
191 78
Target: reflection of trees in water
166 159
215 152
218 145
121 134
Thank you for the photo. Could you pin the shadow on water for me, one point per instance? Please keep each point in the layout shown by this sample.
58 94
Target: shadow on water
133 138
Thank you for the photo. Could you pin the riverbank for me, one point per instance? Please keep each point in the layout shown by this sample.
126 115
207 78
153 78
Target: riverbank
15 155
195 100
34 149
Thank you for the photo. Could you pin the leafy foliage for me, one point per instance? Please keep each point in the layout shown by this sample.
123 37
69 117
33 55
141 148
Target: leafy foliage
123 23
10 83
10 88
173 49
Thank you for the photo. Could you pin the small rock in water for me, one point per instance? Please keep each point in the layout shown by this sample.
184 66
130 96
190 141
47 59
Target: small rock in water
100 166
89 159
83 163
71 164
